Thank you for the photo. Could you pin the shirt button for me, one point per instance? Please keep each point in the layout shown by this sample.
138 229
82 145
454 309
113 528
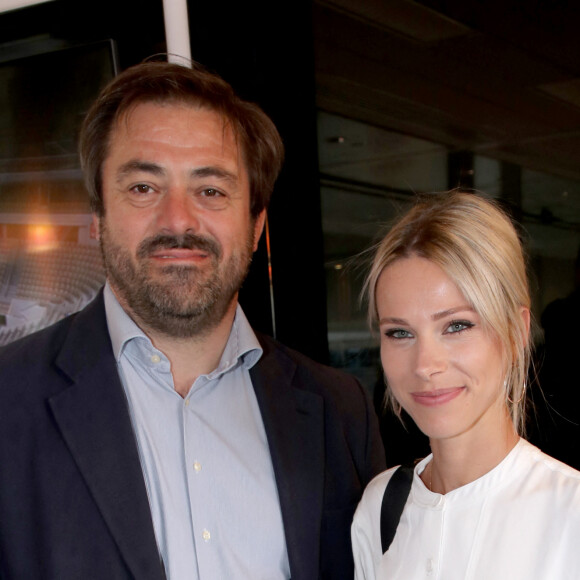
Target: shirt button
187 402
206 536
197 466
155 358
430 566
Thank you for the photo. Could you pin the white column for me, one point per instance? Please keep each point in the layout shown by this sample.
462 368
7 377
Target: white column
177 31
6 5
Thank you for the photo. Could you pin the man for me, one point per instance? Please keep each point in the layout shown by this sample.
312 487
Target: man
154 434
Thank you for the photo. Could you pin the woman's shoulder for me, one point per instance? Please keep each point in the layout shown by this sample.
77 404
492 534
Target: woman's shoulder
366 522
549 466
543 472
378 484
373 495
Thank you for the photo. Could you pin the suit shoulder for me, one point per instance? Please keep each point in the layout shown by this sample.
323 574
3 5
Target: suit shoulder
36 349
313 375
26 357
42 339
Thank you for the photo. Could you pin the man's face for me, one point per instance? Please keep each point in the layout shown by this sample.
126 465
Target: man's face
177 236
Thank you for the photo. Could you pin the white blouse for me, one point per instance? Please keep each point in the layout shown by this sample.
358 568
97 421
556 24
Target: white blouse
520 521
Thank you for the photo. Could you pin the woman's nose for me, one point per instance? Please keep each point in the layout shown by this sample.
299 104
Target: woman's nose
431 358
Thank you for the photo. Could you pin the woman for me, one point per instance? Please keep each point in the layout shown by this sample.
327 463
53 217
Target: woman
449 292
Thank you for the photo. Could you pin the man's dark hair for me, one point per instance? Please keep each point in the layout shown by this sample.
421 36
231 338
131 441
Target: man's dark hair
161 82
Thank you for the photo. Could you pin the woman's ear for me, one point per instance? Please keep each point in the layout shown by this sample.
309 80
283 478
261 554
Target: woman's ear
526 318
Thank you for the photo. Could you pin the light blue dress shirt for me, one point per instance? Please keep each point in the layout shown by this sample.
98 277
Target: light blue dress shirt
205 458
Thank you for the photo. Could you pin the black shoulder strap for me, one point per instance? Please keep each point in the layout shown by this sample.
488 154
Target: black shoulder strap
394 499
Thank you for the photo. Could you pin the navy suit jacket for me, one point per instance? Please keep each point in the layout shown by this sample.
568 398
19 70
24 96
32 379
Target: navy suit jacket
73 503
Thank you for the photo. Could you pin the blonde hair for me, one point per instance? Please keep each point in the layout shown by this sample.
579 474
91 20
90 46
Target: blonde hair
475 243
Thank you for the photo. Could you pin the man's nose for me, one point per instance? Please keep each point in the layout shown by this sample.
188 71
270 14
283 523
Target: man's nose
177 212
431 358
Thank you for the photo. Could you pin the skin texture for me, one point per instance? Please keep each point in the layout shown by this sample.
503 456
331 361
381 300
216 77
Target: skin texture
177 235
444 368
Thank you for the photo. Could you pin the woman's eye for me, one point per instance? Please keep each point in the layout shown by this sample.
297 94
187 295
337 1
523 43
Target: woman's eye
458 326
398 333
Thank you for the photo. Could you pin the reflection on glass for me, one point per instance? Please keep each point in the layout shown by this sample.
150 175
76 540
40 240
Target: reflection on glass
50 264
47 271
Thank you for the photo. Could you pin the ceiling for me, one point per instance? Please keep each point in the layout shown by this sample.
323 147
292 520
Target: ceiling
501 79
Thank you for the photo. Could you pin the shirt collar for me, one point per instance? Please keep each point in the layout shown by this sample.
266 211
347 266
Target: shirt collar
121 326
242 343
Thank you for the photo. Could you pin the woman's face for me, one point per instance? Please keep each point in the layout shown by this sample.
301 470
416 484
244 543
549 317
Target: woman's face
442 366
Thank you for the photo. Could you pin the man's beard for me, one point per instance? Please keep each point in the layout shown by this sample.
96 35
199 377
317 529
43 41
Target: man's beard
180 301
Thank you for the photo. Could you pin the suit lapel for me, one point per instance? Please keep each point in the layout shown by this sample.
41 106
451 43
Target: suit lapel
94 420
294 424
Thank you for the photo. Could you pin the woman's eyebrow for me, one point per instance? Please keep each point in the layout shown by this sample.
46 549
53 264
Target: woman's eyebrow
435 317
451 311
392 320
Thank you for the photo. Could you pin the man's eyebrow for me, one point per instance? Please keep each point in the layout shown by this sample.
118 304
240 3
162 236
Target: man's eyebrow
135 166
214 171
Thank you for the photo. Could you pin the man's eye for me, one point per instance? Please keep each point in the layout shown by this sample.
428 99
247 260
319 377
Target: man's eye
211 192
141 188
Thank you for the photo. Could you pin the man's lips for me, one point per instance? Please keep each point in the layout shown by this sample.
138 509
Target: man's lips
437 396
179 254
187 248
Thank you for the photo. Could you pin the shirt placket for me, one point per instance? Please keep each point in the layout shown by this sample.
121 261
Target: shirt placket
199 480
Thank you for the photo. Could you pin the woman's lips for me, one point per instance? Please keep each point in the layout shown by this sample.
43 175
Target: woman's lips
436 397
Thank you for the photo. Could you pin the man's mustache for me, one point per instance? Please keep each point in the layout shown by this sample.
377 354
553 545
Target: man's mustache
185 242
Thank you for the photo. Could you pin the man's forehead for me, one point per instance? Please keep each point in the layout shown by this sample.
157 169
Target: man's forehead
138 123
129 120
154 109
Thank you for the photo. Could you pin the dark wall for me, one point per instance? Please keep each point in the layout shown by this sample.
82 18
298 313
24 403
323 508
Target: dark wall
264 49
135 25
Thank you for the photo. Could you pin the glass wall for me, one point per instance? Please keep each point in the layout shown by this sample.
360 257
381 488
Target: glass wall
370 175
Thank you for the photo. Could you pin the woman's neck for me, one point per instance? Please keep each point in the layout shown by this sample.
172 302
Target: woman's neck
460 460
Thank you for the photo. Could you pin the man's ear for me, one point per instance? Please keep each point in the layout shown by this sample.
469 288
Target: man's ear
259 227
94 231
